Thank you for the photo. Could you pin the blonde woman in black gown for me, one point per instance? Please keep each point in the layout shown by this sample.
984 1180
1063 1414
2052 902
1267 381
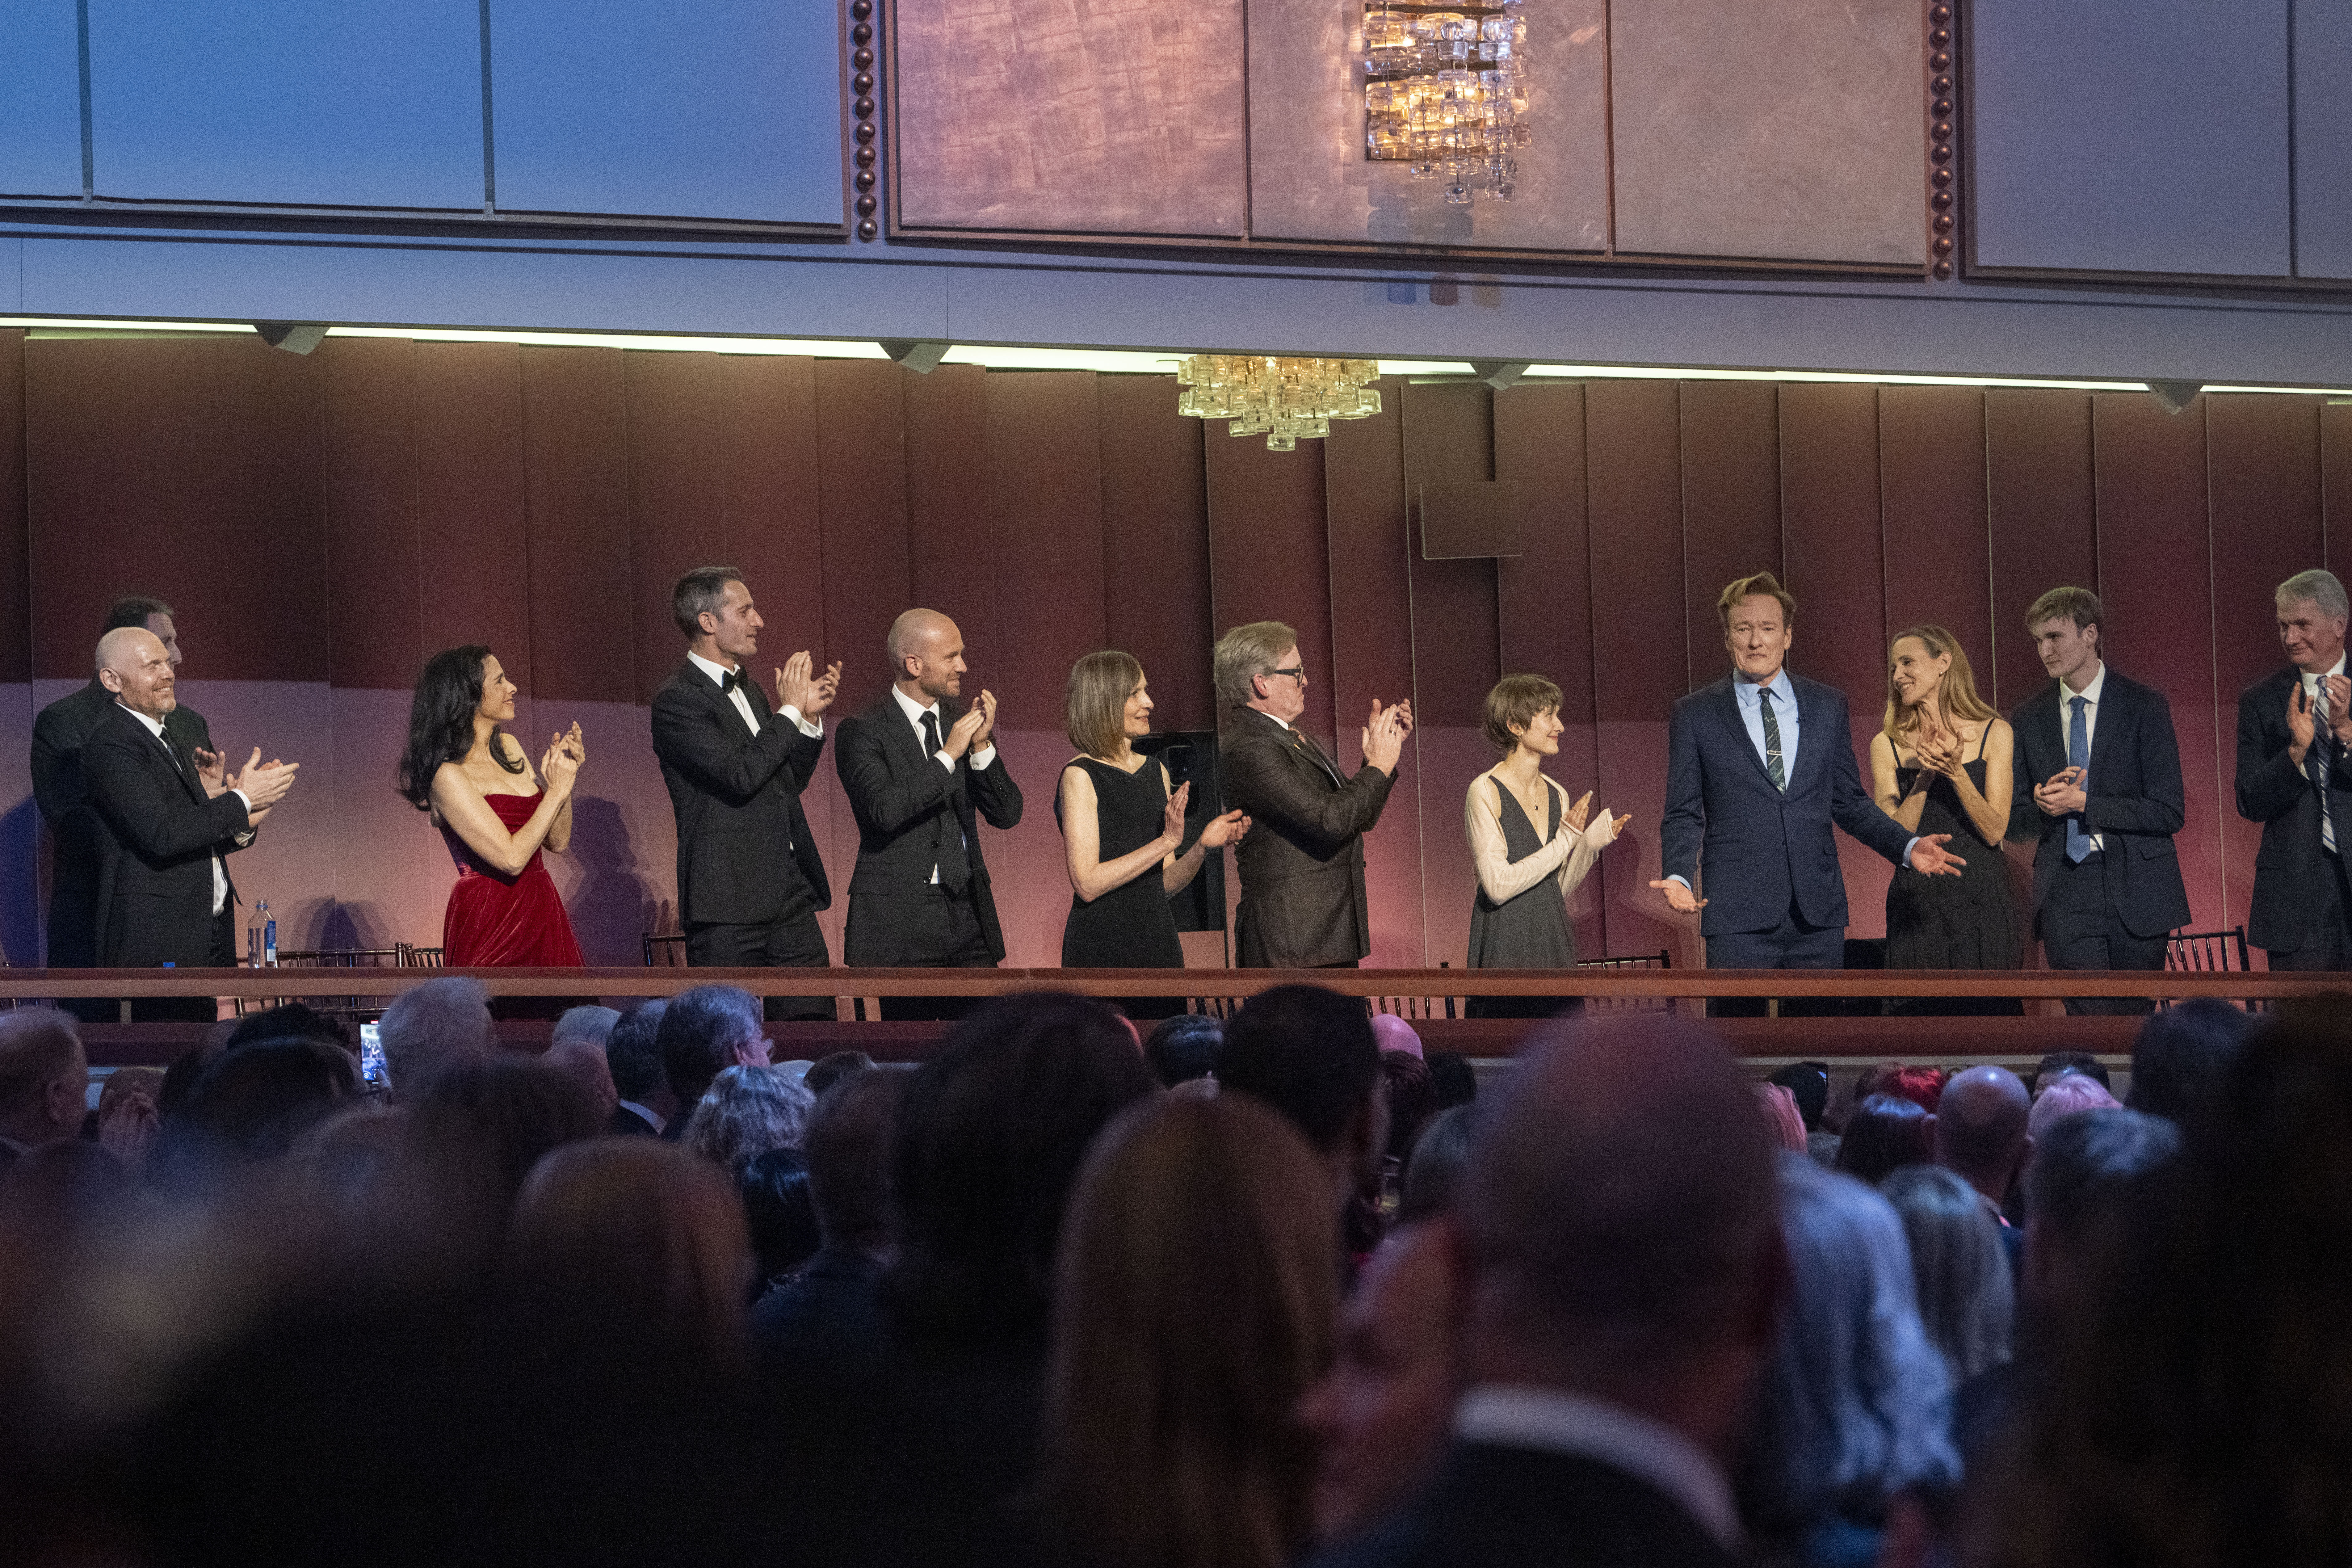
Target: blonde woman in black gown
1941 764
1530 846
1123 830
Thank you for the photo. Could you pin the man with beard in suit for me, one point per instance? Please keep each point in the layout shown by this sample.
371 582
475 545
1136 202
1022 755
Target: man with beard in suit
64 801
163 892
921 772
2295 737
749 880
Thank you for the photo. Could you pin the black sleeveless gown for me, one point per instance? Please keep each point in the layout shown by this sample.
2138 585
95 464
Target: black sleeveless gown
1132 926
1529 931
1967 921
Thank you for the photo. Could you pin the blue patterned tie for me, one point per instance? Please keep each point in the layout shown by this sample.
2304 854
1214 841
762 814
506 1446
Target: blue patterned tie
1773 763
2078 755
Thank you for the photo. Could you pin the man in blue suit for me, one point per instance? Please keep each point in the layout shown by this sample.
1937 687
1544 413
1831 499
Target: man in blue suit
1759 765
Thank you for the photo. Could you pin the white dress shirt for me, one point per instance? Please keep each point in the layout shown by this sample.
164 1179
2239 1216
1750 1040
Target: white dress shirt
2316 695
2090 695
1749 695
220 872
1555 1421
914 711
718 674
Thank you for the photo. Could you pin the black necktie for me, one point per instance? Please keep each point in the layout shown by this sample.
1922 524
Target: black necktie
954 862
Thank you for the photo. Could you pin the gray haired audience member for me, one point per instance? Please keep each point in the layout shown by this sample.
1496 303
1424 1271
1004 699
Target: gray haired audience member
583 1061
632 1051
1184 1048
433 1026
592 1024
1960 1268
43 1080
1441 1158
2078 1171
705 1031
2184 1055
2070 1095
1852 1414
746 1112
826 1310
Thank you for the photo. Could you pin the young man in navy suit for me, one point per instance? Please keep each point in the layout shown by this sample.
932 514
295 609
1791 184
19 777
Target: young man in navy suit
1759 765
2096 757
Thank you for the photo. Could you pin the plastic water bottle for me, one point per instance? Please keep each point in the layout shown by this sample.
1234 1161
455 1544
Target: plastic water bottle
253 935
268 936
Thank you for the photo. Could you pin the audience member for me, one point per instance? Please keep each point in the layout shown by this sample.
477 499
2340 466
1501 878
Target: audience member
912 1456
1393 1032
346 1155
472 1137
782 1218
632 1051
1309 1053
248 1106
180 1074
1924 1087
2056 1065
2183 1056
2082 1172
1412 1100
586 1064
1884 1134
1851 1412
1433 1176
1780 1115
1960 1268
127 1121
287 1021
1456 1080
1625 1267
705 1031
1809 1084
745 1112
1194 1304
591 1023
825 1313
2068 1096
829 1070
43 1080
1184 1048
433 1026
1984 1133
1380 1414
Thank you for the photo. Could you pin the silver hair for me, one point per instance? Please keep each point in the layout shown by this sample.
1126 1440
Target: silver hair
433 1026
747 1112
1959 1265
1854 1405
2322 588
592 1025
1245 653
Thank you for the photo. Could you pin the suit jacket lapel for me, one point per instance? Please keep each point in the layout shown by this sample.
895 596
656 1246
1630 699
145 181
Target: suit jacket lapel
2108 720
1737 723
1304 745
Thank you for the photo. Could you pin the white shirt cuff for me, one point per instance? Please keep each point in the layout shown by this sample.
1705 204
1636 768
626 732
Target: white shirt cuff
245 799
1908 847
1684 880
811 728
983 758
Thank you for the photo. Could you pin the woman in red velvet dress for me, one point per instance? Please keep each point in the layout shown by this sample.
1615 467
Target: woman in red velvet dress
494 813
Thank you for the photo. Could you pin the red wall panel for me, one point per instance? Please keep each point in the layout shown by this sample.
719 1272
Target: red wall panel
1268 556
2042 520
2155 583
676 477
862 502
576 506
1045 448
371 512
16 568
1155 529
2336 485
1731 503
951 517
1931 461
768 511
473 544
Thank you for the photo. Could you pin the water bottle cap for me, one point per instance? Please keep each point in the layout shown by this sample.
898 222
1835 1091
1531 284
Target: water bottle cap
169 964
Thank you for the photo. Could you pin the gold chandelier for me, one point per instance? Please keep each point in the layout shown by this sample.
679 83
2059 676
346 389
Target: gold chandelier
1446 91
1283 399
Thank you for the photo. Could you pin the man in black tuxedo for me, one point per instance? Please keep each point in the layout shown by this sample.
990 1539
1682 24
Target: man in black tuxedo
920 773
2294 777
64 802
2096 757
163 892
750 879
1621 1239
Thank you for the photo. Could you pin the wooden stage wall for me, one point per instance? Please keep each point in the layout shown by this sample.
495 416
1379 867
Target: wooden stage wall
323 523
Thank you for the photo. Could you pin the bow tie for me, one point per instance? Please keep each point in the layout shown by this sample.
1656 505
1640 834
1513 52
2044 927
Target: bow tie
730 683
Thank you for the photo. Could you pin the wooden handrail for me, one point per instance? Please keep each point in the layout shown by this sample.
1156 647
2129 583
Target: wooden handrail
1625 984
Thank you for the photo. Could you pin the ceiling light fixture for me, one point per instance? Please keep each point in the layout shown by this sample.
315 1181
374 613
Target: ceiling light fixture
1283 399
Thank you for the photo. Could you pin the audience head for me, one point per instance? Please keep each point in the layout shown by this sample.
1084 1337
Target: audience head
705 1031
1884 1134
747 1112
583 1062
2083 1168
44 1076
146 615
2057 1064
1394 1034
777 1206
1852 1409
1243 662
632 1051
476 1131
990 1135
179 1075
847 1152
1310 1054
1621 1219
2070 1095
1960 1268
135 667
830 1069
1456 1080
1780 1109
249 1106
1808 1084
1440 1160
1184 1048
1193 1307
1411 1099
2183 1057
1380 1415
1106 703
1983 1130
287 1021
432 1028
591 1023
1924 1087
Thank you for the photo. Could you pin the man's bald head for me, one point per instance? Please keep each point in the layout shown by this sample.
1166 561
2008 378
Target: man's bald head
1980 1128
926 652
911 631
1621 1205
133 664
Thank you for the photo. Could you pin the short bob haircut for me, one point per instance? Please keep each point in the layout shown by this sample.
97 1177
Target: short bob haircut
697 592
1094 706
1247 652
1758 584
2079 605
1513 705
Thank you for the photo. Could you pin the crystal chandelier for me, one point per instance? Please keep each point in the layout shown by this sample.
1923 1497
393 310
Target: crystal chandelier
1283 399
1446 91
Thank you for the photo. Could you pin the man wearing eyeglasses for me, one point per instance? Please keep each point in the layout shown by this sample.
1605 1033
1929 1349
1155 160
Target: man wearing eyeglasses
1302 904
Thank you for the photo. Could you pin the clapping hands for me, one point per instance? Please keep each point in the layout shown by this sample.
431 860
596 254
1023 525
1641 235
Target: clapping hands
558 765
2065 793
798 686
1384 734
1217 831
1937 750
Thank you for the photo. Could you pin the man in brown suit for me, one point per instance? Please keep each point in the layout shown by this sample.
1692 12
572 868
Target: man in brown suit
1302 904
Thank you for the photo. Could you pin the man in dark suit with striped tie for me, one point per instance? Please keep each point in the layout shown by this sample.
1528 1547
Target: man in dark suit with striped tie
2294 777
1303 901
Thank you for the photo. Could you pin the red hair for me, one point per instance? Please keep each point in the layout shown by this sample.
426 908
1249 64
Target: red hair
1922 1087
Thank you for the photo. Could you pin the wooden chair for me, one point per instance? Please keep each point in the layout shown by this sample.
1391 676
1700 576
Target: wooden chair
414 957
1663 959
665 950
354 1009
2207 952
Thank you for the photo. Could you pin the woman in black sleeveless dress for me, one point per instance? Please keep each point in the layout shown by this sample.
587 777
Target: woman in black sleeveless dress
1526 871
1123 831
1941 764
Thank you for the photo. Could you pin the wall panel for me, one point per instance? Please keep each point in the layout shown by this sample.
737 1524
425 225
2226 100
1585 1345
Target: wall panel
1156 545
2042 520
371 512
474 556
676 479
1931 460
1269 556
950 512
1731 504
40 114
16 568
769 506
861 502
575 474
2336 486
